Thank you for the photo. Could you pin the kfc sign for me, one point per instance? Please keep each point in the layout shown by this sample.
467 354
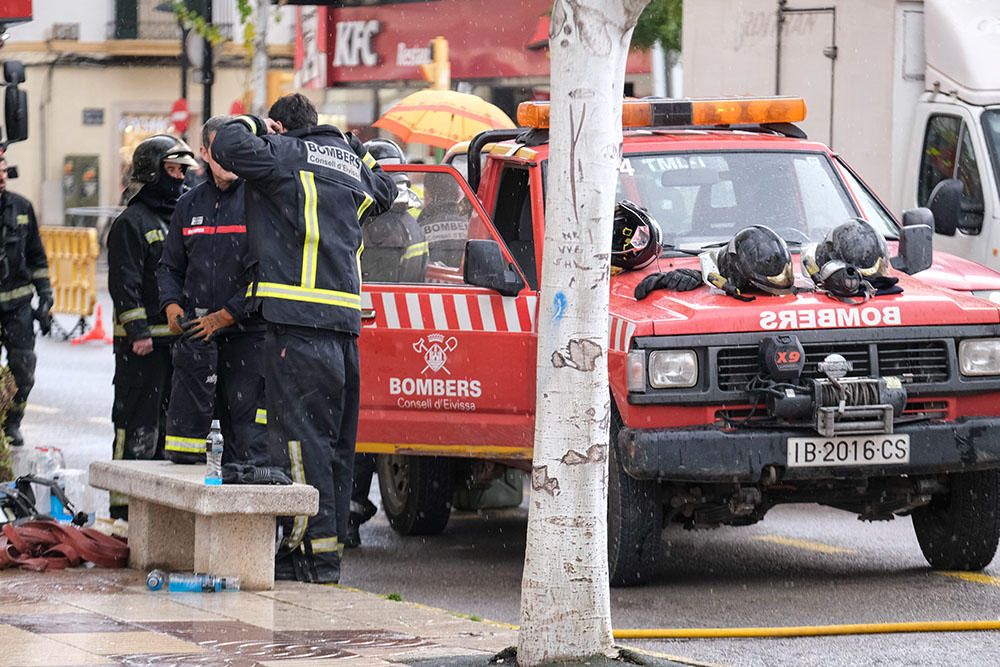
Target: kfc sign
354 44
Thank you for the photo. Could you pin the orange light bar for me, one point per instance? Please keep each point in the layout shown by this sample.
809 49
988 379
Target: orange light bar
687 113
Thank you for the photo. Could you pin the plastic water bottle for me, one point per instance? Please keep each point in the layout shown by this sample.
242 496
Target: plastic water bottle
213 455
199 582
48 460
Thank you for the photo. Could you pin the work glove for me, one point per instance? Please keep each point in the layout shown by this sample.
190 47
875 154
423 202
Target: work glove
206 326
678 280
43 313
244 473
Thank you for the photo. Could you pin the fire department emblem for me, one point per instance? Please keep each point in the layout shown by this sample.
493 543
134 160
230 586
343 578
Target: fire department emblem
435 348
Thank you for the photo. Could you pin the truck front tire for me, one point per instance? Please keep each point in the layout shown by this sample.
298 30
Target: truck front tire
635 521
416 492
960 530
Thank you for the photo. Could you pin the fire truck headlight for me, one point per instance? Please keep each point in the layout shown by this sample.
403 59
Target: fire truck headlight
673 368
635 371
979 356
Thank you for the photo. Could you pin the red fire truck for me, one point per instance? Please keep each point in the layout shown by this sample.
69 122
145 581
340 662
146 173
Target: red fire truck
13 12
897 400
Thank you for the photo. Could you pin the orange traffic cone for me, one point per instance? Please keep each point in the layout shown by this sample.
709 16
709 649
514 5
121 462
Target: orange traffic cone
97 332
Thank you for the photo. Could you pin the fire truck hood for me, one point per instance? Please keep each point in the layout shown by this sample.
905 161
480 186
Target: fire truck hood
706 310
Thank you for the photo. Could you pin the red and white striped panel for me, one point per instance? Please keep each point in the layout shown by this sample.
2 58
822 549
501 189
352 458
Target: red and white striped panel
620 334
458 312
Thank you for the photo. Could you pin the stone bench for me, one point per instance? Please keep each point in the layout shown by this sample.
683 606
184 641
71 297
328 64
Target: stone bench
178 523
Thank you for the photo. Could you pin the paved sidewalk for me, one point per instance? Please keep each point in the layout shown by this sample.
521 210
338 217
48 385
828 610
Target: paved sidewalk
108 617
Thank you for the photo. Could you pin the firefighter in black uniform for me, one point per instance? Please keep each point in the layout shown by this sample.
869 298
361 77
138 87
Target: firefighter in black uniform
395 252
141 335
24 270
309 189
203 279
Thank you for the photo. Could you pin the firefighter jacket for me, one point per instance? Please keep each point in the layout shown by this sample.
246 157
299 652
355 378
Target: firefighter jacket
206 261
135 243
24 269
308 192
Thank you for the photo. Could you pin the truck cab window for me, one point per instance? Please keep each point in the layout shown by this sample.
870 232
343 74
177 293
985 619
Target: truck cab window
950 153
513 220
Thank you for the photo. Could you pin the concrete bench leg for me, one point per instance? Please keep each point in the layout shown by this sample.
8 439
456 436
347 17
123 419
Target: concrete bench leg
239 545
159 536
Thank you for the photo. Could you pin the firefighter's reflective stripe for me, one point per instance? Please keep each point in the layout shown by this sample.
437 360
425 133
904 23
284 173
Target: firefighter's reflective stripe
369 161
261 417
310 250
251 123
415 250
154 235
156 330
309 295
119 444
132 315
17 293
357 257
400 309
299 476
327 545
369 200
39 273
176 443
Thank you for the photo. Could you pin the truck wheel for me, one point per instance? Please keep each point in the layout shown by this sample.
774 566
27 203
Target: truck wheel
960 530
635 521
416 492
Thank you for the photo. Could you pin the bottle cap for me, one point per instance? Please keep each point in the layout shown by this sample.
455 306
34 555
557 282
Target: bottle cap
215 424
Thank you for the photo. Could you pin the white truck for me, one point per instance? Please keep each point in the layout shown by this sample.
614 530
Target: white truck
908 92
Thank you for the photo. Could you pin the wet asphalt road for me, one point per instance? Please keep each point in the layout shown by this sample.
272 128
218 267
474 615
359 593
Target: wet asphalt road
803 565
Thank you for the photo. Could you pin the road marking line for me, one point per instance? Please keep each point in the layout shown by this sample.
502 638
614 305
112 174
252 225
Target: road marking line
808 545
44 409
973 577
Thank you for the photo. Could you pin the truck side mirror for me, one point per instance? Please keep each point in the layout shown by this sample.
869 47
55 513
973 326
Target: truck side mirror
485 267
916 241
16 114
945 203
13 72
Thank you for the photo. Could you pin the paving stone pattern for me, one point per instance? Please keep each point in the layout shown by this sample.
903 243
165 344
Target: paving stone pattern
108 617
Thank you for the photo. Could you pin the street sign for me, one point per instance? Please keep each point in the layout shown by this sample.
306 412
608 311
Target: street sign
179 115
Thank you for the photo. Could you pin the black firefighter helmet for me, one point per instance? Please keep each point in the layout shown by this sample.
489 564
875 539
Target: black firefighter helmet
636 239
385 151
154 151
756 258
857 244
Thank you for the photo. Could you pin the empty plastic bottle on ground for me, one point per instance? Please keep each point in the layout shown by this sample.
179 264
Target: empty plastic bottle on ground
213 455
198 582
48 460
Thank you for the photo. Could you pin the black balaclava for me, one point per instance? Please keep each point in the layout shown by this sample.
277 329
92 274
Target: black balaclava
161 195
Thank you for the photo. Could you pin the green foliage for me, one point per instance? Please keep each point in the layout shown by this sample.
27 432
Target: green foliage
7 390
661 20
194 20
395 597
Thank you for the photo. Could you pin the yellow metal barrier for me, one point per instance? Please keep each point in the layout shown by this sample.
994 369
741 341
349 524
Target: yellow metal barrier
72 253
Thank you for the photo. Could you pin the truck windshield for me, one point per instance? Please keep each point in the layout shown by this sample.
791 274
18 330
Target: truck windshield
991 128
704 198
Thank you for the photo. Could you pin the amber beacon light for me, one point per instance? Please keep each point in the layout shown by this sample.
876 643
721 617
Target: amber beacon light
687 113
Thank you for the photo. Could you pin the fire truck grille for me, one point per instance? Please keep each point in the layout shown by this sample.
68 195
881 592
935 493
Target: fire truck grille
920 361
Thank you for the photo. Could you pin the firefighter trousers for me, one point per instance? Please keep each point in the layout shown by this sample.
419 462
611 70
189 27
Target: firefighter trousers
140 409
222 379
17 333
313 392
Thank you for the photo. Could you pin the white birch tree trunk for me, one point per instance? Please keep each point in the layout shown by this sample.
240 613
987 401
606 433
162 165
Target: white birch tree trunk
260 63
565 602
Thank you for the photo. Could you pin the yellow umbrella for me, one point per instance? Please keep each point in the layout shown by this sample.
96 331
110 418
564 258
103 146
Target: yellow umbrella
442 118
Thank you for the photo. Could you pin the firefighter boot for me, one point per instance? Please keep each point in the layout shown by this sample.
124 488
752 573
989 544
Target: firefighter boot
360 513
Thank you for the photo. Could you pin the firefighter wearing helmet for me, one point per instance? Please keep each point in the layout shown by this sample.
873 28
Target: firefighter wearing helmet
141 335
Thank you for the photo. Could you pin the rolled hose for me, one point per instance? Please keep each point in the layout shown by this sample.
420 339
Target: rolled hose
807 630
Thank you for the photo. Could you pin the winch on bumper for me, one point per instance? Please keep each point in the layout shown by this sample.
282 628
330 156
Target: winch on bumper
716 455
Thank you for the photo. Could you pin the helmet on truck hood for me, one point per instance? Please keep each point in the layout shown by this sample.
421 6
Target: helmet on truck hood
636 239
855 243
756 258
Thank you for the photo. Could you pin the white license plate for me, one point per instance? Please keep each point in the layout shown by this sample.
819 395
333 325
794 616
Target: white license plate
849 450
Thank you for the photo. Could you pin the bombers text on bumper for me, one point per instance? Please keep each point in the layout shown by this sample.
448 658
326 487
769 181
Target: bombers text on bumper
713 455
